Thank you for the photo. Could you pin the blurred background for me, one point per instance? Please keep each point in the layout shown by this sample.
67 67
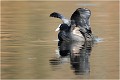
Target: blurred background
29 40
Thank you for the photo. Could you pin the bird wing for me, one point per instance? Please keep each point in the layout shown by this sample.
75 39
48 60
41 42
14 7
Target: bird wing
56 15
81 18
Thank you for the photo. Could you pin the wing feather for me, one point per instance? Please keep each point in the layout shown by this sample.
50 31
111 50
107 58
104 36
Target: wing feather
56 15
81 17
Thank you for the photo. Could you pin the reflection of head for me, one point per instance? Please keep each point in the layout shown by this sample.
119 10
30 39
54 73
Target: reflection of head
63 48
64 53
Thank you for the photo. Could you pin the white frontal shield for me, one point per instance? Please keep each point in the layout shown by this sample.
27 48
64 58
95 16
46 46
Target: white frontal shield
58 28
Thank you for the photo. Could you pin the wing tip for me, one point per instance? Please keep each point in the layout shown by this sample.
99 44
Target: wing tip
56 15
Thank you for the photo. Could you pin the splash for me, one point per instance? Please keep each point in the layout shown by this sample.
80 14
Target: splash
98 40
56 40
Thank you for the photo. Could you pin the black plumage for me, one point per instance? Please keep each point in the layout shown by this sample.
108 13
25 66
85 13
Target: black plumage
56 15
80 20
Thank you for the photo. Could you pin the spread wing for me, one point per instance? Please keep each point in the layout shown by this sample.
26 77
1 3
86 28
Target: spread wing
81 18
56 15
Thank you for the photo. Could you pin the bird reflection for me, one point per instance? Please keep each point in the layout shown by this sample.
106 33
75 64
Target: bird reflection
76 53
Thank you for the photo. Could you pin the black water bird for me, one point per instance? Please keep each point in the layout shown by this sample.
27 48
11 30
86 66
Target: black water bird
77 28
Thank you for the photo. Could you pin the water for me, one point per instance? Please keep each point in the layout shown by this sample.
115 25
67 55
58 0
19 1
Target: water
30 50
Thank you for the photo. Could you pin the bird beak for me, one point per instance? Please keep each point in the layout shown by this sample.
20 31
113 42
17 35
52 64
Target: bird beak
58 28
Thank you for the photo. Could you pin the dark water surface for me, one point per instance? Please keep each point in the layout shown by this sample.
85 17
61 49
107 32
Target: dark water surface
30 50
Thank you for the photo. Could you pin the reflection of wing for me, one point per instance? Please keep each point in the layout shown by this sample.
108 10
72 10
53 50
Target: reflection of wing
81 17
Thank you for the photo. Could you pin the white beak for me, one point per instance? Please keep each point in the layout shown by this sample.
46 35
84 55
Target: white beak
58 28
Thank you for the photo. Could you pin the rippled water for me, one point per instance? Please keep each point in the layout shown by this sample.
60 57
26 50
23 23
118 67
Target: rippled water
30 49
